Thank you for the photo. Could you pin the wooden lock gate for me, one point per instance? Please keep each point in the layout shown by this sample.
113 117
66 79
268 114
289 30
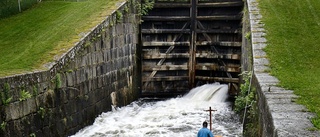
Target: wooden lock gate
188 43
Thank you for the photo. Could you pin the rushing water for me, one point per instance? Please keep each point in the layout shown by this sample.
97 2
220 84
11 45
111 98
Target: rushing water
177 117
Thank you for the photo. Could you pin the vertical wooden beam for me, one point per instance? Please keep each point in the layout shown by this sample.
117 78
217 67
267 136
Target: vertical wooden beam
192 49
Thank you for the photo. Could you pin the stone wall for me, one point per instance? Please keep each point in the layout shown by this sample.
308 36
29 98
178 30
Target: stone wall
98 72
279 115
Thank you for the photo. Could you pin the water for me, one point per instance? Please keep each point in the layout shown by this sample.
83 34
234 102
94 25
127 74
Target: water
177 117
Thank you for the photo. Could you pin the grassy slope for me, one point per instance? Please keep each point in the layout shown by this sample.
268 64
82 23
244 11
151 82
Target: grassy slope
32 38
293 33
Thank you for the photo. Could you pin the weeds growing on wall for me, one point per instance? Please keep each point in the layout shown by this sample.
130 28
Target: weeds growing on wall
35 90
5 94
58 81
24 95
246 95
246 106
144 6
251 121
42 112
3 125
118 16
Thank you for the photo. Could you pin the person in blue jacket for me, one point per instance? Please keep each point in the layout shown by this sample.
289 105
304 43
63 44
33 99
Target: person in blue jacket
204 131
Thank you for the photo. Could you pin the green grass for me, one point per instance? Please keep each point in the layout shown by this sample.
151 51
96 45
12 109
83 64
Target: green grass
33 38
293 34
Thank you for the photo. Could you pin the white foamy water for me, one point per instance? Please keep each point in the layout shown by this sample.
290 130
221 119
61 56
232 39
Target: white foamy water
177 117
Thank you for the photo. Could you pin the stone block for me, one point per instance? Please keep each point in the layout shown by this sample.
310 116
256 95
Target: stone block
29 106
275 89
286 127
266 80
259 39
93 58
12 111
278 107
261 68
258 53
260 61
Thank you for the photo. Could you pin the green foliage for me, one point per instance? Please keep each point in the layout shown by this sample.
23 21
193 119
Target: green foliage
316 121
32 135
58 81
69 71
5 94
126 9
11 7
248 36
35 90
246 106
118 16
24 95
251 127
292 29
245 96
144 7
3 125
178 0
88 44
42 112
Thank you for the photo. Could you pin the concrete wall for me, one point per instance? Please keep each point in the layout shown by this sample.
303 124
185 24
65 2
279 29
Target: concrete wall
99 71
279 115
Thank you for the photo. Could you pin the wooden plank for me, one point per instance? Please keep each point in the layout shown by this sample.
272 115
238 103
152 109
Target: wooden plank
158 64
215 67
156 43
172 5
222 43
218 79
168 51
221 4
218 56
165 18
166 78
214 48
199 24
229 65
172 1
220 17
225 31
158 31
166 56
169 92
165 67
193 46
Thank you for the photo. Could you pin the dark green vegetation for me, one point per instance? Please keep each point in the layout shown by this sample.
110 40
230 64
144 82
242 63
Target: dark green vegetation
246 106
11 7
36 36
293 33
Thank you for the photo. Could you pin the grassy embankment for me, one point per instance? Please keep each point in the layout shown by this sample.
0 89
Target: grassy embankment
293 34
34 37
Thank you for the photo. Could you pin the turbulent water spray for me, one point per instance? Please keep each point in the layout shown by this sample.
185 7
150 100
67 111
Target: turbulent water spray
178 117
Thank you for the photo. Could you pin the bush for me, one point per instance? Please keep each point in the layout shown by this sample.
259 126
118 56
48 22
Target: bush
11 7
246 95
